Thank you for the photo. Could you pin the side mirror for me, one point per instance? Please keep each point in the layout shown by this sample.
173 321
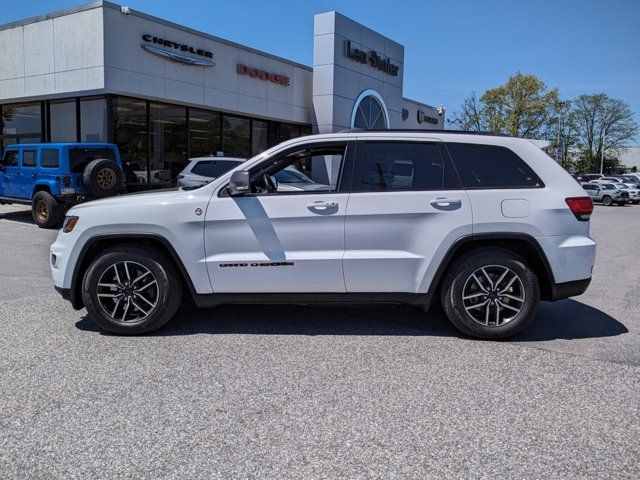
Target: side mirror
239 184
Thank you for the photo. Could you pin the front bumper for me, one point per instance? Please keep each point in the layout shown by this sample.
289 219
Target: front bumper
64 292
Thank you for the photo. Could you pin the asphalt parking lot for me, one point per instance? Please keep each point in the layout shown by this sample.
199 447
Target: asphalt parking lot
304 392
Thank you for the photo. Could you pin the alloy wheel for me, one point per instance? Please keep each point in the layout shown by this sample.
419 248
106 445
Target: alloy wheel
106 178
128 292
493 295
41 210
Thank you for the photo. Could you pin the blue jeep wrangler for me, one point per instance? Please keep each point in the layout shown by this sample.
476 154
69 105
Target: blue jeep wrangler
54 176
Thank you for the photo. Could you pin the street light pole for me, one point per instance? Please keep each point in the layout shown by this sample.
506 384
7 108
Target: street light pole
604 137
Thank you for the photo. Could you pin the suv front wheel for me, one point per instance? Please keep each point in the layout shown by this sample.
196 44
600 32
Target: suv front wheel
490 293
129 290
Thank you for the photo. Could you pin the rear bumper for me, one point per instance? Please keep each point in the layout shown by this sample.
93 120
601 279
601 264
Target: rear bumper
569 289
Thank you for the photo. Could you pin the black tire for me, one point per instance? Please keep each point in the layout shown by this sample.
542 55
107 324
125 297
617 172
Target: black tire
46 211
102 178
168 288
607 201
458 277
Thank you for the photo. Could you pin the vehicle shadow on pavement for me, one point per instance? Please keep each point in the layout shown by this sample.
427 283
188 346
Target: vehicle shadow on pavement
22 216
567 319
570 320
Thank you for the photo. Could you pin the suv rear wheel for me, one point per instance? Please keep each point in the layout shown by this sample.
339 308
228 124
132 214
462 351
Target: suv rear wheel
46 211
490 293
129 290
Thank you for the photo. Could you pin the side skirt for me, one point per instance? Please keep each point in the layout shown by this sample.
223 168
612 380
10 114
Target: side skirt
216 299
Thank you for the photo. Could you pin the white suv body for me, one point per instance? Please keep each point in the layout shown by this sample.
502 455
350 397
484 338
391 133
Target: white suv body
406 210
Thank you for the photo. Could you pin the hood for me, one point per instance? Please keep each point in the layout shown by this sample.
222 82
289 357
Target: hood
146 198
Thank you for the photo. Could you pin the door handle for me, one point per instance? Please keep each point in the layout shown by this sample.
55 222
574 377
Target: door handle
446 203
322 205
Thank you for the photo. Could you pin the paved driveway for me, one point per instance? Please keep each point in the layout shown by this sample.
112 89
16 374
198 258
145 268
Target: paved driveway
302 392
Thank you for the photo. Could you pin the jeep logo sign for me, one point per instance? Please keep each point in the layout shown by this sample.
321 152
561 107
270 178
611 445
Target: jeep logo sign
177 51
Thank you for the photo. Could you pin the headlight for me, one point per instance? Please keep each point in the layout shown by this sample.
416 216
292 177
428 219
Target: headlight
69 224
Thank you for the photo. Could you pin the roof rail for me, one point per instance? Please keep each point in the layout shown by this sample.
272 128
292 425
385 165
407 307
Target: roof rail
418 130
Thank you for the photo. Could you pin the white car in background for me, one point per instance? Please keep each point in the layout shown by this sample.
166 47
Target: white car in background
201 170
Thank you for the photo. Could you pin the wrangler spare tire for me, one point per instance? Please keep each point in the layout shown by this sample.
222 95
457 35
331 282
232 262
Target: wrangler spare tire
102 177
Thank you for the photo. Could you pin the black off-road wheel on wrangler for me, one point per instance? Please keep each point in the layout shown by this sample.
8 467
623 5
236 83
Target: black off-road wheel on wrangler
46 211
490 293
129 289
102 178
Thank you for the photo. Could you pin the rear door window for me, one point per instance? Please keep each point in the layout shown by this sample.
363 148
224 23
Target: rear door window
28 158
49 158
392 166
491 166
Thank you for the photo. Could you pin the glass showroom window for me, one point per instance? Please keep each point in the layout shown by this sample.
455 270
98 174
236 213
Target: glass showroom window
62 120
168 141
259 136
21 123
93 120
370 112
236 133
130 134
204 132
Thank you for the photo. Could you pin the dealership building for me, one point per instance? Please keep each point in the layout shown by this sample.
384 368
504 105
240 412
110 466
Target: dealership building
165 93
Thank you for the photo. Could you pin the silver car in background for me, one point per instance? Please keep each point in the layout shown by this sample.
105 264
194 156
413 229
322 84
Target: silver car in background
607 193
634 193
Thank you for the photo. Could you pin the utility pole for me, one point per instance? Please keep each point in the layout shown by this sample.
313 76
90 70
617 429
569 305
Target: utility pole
604 137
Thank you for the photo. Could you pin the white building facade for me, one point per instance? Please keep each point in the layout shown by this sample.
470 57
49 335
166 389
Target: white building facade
165 93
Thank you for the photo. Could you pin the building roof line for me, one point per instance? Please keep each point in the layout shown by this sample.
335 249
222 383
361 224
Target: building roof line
113 6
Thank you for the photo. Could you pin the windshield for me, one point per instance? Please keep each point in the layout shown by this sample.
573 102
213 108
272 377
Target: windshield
608 186
79 157
291 175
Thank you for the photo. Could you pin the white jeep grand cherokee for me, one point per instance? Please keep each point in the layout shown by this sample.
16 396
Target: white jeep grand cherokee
488 225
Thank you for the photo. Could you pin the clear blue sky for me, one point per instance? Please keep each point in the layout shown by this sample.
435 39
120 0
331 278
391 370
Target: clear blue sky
451 47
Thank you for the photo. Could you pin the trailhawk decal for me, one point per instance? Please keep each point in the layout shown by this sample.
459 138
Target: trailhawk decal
257 264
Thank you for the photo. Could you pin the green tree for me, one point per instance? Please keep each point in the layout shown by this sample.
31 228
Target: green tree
522 107
603 126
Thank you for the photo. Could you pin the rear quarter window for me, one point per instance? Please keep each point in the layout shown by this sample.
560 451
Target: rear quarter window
202 168
49 158
491 166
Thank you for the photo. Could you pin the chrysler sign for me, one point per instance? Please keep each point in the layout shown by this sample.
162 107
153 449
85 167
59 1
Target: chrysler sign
177 52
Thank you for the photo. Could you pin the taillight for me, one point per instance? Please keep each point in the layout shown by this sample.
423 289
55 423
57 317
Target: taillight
582 207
